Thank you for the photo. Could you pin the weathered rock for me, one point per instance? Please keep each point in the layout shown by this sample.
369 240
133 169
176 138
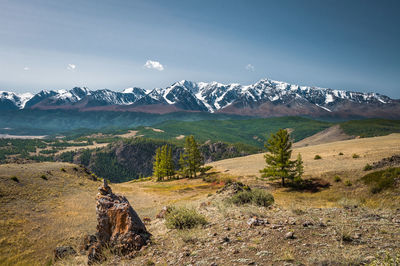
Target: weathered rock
95 254
254 221
163 212
87 241
118 226
307 224
234 187
290 235
64 251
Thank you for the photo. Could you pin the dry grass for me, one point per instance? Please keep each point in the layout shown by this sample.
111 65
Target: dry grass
369 149
39 214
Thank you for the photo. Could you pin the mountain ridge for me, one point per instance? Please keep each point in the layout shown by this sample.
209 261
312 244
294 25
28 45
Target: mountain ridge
263 98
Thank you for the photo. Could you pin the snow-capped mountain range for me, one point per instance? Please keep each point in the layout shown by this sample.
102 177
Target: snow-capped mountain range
264 98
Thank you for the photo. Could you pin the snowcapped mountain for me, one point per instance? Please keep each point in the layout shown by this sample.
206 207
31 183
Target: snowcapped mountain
264 98
10 100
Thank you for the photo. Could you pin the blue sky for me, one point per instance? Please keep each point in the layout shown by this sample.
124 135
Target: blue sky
117 44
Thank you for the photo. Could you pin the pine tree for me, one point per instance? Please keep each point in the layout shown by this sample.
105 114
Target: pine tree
278 160
187 155
299 169
192 157
196 156
183 167
163 162
156 165
170 163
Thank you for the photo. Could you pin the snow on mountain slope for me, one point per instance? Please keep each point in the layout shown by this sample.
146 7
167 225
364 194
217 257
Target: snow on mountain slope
205 96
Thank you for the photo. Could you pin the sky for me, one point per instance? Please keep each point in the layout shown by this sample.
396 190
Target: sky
115 44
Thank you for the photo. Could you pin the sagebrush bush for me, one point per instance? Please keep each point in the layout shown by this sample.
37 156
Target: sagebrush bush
256 196
337 178
355 156
242 197
341 153
15 179
262 197
317 157
184 218
348 183
44 177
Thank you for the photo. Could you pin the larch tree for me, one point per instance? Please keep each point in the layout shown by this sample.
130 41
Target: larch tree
279 165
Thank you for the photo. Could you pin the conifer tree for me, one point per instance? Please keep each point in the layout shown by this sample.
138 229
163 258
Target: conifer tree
299 168
192 157
196 156
170 163
187 155
156 165
278 160
183 167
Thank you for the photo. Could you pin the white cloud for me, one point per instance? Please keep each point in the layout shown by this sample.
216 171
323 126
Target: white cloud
250 67
26 68
154 65
71 67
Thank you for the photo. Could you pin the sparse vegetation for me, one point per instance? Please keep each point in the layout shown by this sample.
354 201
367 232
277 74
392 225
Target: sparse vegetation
367 167
348 183
255 196
337 179
184 218
63 170
381 180
317 157
341 153
355 156
44 177
15 179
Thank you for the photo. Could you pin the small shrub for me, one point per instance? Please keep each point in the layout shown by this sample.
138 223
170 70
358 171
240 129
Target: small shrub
15 179
367 167
262 198
63 170
337 178
44 177
256 196
348 183
355 156
317 157
242 197
341 153
184 218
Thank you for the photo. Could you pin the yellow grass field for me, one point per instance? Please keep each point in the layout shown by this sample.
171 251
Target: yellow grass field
369 150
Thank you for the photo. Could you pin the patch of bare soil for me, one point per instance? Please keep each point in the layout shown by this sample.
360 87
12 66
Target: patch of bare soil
332 134
130 134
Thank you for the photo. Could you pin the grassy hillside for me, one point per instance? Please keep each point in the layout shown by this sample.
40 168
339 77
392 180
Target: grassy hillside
249 131
371 127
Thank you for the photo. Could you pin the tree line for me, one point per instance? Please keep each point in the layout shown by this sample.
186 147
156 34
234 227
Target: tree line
189 164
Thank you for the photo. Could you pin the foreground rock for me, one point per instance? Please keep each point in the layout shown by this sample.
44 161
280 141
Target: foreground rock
64 251
118 226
